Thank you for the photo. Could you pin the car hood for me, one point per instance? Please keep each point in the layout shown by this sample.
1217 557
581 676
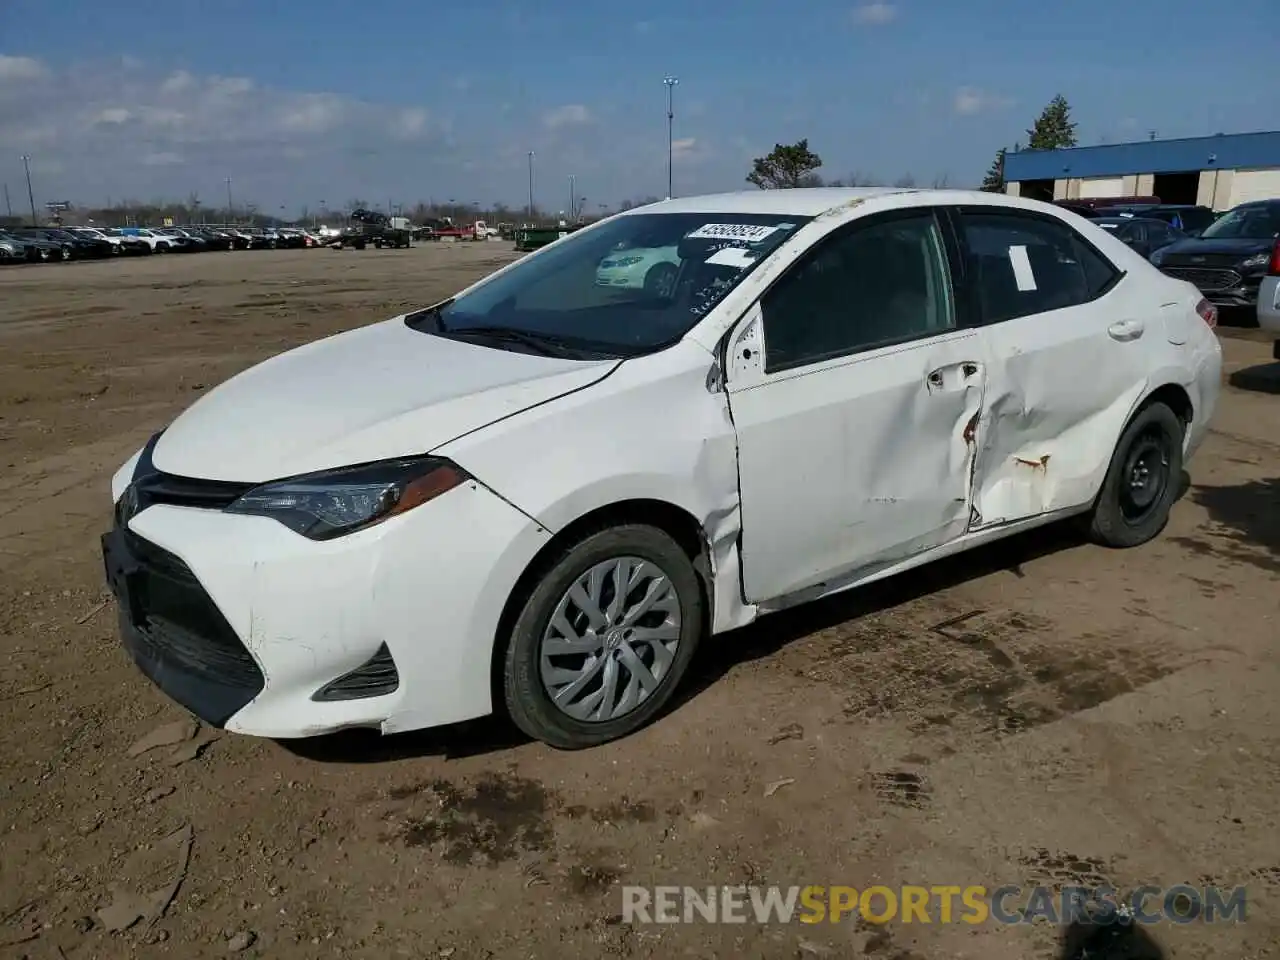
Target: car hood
369 394
1199 247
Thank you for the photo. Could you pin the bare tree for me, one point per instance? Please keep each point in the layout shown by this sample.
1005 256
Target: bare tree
905 182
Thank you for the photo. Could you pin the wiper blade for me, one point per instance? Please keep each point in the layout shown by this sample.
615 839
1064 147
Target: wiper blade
415 319
545 343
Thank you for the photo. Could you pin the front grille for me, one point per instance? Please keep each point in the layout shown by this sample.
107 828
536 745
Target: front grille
179 636
186 492
1207 279
376 677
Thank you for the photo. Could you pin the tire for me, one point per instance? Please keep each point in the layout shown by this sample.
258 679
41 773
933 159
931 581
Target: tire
1142 481
660 279
44 255
528 700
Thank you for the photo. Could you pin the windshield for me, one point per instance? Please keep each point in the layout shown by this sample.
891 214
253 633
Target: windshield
1246 223
631 285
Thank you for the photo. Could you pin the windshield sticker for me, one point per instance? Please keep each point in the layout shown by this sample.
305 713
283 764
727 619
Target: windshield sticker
731 231
1023 275
731 257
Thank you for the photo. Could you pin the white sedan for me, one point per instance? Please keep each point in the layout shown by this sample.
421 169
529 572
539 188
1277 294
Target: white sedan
639 268
539 496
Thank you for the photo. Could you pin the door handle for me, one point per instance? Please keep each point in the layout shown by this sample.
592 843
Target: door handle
1126 330
938 379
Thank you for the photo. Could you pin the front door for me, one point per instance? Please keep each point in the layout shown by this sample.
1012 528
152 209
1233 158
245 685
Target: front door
856 398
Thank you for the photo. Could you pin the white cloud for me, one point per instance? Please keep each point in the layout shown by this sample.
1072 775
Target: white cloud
971 100
114 116
875 14
177 82
313 113
21 69
164 159
569 115
410 124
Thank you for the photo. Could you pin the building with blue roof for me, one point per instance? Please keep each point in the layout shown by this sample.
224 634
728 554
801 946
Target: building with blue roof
1217 172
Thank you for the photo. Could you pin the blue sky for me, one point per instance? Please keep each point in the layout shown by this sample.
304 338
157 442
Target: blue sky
408 100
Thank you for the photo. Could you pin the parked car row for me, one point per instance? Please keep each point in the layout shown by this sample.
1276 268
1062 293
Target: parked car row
44 244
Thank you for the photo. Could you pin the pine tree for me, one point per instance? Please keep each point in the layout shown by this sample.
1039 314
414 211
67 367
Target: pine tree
793 165
1054 129
993 182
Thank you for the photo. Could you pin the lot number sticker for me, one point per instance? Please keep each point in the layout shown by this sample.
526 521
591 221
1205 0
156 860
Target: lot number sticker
1023 275
731 231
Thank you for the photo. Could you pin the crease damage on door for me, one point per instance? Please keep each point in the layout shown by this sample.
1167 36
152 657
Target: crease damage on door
1041 450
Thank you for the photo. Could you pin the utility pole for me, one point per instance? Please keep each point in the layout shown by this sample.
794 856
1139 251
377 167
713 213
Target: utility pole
530 186
231 215
7 205
572 198
26 165
671 119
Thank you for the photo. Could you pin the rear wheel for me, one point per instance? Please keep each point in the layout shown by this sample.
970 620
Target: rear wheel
604 638
1142 482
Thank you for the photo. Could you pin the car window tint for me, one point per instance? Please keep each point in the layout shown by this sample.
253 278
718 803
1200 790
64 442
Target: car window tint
1024 265
866 286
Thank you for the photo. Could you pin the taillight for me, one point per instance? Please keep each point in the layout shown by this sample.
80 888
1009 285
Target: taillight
1273 269
1208 312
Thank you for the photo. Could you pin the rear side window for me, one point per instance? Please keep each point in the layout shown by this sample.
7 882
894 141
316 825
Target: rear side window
1023 265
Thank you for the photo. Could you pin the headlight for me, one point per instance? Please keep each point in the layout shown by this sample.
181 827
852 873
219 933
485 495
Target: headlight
321 506
1258 260
1156 258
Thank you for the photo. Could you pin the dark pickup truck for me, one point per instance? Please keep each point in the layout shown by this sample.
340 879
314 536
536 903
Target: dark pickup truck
365 227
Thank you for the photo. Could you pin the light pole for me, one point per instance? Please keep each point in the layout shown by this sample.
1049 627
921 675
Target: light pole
231 210
671 119
26 165
572 197
531 186
7 205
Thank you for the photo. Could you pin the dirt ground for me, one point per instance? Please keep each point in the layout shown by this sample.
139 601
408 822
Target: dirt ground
1099 715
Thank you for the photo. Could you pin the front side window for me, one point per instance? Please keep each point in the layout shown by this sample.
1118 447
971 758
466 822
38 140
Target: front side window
631 285
868 285
1023 265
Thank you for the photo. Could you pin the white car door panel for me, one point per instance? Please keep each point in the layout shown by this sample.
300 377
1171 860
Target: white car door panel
1062 381
857 463
864 458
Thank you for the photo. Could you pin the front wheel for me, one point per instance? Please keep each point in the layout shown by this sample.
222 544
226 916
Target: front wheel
1142 482
660 280
604 638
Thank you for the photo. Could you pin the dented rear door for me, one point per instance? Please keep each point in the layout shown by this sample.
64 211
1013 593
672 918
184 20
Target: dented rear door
1067 345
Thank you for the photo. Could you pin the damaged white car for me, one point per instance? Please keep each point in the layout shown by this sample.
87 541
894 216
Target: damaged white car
540 495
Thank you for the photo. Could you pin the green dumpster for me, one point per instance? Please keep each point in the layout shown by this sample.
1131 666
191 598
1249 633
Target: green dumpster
531 238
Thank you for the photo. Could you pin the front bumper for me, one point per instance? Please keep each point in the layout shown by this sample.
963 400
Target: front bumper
1269 310
246 623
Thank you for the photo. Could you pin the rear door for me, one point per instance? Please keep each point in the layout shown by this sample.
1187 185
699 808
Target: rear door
1068 344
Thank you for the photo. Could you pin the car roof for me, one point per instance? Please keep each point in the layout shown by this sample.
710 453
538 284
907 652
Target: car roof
815 201
1129 220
